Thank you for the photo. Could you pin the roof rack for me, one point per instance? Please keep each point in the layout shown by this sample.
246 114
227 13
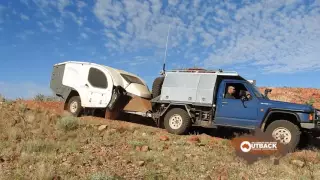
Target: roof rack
196 70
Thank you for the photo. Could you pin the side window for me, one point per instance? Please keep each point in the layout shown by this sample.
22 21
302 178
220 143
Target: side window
97 78
236 91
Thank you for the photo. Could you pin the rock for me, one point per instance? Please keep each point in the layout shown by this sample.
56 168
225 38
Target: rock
111 131
264 172
160 165
135 132
203 168
188 155
66 164
174 159
30 117
205 177
56 178
222 177
102 127
138 148
126 161
145 148
164 138
193 139
196 158
297 163
144 134
166 146
141 163
243 176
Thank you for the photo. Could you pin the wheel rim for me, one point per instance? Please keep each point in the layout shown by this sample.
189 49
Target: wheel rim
282 134
73 107
175 121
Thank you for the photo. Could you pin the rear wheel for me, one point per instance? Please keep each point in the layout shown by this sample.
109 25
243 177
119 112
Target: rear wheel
74 106
156 86
177 121
286 133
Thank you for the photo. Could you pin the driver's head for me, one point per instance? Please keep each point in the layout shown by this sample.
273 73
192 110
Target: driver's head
231 90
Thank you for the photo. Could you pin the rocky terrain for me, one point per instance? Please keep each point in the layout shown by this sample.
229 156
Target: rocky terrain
296 95
38 140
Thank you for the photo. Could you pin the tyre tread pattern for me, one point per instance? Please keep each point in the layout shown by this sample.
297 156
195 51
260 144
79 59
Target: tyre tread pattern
293 128
156 86
186 121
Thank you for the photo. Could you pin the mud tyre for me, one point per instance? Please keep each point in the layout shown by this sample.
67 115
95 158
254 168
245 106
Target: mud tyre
74 106
156 86
286 132
177 121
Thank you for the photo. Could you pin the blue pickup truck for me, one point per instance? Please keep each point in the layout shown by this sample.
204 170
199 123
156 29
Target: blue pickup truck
198 97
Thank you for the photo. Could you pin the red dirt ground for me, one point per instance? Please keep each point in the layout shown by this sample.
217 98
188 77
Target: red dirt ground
53 106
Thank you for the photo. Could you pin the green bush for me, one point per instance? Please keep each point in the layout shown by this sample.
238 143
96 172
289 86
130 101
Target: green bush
68 123
2 99
310 102
39 97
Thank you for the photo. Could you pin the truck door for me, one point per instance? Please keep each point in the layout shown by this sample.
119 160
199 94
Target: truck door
231 110
99 88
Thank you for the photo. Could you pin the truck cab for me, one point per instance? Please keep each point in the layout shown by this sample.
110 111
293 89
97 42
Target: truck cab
217 99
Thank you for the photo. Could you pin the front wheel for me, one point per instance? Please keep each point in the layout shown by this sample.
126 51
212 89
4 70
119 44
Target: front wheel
285 132
177 121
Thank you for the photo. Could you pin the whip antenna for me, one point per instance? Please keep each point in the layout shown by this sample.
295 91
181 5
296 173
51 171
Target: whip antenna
165 53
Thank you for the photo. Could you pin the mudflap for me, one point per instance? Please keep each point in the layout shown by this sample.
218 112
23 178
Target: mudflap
116 94
114 107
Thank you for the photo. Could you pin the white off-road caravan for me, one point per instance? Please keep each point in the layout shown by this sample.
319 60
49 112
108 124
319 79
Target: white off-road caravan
88 85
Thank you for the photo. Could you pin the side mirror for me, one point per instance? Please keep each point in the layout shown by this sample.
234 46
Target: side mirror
267 91
244 98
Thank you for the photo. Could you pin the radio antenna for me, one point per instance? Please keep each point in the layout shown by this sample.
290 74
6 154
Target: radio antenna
165 53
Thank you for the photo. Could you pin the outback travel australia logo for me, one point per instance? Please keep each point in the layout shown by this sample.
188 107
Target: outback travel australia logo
247 146
257 146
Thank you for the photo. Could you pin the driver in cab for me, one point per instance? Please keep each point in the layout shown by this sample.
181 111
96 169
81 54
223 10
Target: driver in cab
230 93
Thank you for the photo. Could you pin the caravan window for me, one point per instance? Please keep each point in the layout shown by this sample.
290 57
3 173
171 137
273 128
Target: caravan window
97 78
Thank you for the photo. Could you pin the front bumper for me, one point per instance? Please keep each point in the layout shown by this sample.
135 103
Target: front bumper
311 125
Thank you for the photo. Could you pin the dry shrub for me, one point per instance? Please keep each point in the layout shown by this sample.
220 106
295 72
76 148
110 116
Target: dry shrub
39 146
44 171
68 123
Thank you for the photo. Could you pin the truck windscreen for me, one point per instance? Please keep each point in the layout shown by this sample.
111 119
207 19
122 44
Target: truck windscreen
131 79
257 92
